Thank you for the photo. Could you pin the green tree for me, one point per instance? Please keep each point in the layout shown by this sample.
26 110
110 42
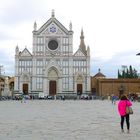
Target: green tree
128 73
123 74
131 71
119 75
135 75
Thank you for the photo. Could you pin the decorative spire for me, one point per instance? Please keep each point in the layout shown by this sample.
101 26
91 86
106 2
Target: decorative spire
35 26
70 26
17 46
99 70
82 34
82 43
17 50
88 51
53 14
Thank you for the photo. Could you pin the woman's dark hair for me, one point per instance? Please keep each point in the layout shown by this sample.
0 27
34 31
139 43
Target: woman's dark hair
123 97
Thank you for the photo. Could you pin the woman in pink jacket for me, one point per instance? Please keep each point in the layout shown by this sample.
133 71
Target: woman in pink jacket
122 111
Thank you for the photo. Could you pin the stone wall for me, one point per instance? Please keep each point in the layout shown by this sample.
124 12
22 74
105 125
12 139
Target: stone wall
105 87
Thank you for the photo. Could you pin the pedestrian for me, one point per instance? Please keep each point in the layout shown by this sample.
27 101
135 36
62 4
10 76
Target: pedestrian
113 99
122 111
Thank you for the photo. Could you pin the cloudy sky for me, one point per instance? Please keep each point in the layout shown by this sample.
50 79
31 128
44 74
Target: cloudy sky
111 29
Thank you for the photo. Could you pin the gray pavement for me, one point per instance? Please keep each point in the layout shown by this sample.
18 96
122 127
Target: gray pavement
65 120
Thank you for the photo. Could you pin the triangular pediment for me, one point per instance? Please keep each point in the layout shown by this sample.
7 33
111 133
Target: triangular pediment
79 52
52 27
25 52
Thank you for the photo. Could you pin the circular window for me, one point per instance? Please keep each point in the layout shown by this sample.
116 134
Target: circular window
53 45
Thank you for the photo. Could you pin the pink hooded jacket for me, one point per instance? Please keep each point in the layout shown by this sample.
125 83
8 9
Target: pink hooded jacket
122 106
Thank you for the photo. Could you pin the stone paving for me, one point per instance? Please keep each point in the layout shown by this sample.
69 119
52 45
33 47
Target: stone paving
65 120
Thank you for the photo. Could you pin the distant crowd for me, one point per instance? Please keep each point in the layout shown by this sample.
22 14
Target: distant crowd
132 97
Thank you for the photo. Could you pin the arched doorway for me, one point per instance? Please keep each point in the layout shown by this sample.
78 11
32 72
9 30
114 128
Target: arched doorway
25 79
53 81
79 81
79 89
52 87
25 89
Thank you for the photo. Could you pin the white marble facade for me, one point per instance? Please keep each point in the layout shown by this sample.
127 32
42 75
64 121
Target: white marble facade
52 67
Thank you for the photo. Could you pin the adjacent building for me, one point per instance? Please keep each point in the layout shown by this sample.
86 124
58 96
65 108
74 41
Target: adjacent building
6 85
102 86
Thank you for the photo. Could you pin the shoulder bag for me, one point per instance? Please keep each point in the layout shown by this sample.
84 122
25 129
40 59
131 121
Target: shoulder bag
129 109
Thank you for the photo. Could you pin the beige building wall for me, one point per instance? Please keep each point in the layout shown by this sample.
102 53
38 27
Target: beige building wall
105 87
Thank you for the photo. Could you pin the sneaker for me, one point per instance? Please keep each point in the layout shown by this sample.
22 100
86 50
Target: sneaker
122 131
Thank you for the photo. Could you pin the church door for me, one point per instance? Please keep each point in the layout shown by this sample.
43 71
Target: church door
79 89
25 88
52 88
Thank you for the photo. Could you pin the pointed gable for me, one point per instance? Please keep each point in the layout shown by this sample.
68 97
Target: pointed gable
52 26
79 52
25 52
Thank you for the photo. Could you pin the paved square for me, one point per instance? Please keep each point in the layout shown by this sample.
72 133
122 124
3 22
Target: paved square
65 120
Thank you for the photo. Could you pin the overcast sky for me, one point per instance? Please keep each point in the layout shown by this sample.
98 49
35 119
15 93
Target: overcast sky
111 29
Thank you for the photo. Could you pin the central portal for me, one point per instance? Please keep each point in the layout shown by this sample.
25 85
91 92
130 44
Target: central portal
52 88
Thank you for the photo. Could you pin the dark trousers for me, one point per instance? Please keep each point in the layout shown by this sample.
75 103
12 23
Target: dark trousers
127 121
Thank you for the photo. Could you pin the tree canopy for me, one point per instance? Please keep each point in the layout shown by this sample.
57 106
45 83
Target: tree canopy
127 73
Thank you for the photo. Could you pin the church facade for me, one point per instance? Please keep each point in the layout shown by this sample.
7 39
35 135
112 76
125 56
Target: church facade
52 67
